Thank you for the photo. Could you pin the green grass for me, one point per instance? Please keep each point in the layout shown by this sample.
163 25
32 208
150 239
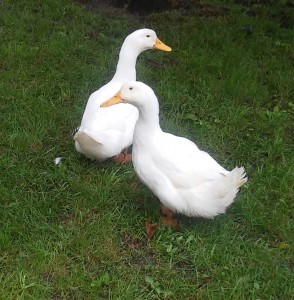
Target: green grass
76 230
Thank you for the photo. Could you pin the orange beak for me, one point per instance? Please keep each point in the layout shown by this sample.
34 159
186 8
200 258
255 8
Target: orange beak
161 46
113 100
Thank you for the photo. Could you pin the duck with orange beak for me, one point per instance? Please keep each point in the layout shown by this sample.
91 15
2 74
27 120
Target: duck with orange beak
193 183
105 133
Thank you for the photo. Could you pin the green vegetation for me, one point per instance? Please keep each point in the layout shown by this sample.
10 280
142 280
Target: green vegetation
76 230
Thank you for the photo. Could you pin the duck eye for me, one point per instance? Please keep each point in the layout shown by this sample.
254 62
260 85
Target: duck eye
148 35
130 88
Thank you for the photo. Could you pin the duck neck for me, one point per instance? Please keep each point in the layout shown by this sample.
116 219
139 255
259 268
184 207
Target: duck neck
148 123
126 66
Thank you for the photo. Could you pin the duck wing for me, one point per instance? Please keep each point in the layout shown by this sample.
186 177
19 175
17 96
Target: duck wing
111 124
183 163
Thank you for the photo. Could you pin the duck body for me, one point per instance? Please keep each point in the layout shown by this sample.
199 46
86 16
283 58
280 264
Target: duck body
104 133
185 179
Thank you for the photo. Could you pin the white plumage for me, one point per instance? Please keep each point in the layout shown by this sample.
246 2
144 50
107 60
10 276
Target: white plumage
103 133
185 179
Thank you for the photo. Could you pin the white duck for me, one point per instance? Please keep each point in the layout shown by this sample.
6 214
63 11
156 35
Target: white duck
185 179
104 133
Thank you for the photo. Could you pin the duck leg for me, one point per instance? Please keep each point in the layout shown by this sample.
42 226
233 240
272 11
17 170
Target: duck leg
167 218
123 157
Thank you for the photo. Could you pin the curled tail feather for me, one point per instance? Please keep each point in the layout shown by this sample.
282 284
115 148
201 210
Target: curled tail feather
216 199
231 185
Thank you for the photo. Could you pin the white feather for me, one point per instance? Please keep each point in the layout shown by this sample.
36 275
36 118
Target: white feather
57 160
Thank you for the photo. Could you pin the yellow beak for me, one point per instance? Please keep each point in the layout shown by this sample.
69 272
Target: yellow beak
161 46
113 100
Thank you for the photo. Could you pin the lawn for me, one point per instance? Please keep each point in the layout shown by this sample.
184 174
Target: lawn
76 230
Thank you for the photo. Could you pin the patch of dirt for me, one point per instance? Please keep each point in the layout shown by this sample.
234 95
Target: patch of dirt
97 5
106 7
283 14
285 19
187 7
131 243
145 7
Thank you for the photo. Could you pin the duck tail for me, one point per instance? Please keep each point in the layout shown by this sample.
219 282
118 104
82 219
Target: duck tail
220 197
240 176
85 144
231 185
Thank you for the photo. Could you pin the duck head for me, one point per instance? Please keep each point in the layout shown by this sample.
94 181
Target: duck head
145 39
133 92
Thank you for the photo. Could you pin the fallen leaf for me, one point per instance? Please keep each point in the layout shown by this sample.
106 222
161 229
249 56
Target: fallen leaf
166 221
65 97
150 229
281 245
36 145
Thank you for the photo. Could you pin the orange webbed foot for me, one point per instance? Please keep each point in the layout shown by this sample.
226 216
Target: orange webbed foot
167 218
123 158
